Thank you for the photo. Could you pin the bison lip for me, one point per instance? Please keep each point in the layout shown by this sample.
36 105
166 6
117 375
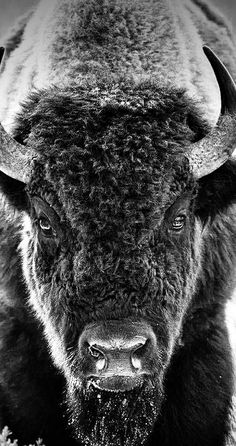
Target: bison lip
117 383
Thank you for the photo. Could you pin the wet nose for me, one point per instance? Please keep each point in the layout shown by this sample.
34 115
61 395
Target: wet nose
117 356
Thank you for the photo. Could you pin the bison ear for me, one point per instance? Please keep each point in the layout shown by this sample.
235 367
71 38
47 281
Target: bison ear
14 192
217 191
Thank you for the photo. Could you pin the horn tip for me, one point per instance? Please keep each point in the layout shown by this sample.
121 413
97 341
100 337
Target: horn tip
2 52
208 51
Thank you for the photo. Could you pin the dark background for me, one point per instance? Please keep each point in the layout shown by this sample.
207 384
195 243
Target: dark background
11 9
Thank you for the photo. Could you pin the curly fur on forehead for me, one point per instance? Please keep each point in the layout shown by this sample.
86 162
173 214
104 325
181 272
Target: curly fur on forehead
128 141
93 106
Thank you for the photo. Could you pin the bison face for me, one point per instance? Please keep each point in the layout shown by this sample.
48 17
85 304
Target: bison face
111 269
111 252
111 247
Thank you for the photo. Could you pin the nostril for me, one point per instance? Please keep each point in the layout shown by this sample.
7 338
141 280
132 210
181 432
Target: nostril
94 352
138 354
136 362
99 357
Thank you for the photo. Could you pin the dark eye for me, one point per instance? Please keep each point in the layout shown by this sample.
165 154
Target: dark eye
179 222
46 227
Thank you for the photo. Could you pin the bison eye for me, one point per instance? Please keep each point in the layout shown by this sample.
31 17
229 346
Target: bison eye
46 227
179 222
46 221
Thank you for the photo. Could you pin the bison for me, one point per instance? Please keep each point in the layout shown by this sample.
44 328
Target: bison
117 225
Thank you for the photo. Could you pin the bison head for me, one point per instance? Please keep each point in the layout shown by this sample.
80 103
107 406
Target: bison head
109 180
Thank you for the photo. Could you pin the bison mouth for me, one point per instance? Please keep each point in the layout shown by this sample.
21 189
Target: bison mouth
105 418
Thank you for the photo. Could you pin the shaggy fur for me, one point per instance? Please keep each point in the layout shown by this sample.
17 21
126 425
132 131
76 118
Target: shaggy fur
77 40
111 177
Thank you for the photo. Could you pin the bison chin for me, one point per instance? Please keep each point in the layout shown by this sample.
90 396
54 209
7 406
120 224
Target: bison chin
103 418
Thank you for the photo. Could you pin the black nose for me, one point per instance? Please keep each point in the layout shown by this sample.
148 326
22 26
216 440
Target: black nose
116 355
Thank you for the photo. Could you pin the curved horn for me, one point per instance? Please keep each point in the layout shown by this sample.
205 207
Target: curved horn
15 159
216 148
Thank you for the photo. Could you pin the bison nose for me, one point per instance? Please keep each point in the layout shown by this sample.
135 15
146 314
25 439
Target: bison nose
117 357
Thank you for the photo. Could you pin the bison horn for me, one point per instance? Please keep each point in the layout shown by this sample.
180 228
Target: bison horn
216 148
15 159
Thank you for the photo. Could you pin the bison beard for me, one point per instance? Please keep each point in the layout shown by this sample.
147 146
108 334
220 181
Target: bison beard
102 418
